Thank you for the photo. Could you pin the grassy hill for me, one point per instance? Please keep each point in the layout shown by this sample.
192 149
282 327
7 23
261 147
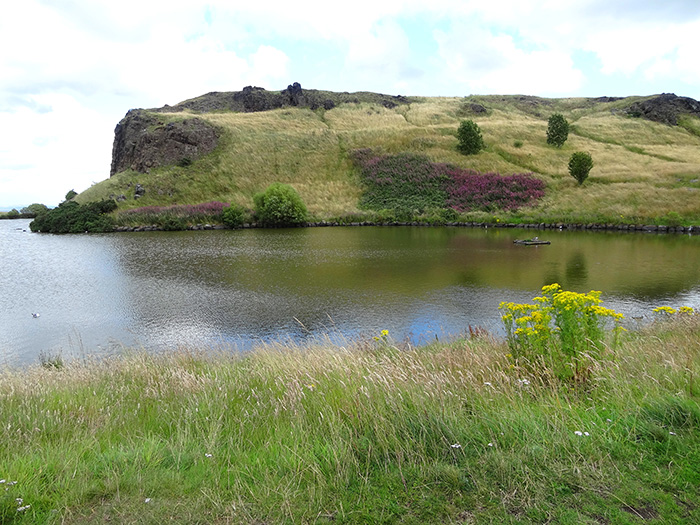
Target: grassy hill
643 170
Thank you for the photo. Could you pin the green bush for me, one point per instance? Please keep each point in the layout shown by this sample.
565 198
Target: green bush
71 217
170 223
233 216
12 214
557 130
33 210
673 219
469 137
580 165
279 205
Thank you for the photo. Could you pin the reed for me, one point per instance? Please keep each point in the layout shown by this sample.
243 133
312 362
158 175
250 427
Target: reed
363 431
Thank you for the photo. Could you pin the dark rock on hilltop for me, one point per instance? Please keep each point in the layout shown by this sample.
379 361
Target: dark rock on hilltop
252 99
665 108
147 139
143 140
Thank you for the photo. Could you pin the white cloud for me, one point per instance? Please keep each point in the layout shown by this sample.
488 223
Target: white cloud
40 147
380 59
271 65
481 62
92 60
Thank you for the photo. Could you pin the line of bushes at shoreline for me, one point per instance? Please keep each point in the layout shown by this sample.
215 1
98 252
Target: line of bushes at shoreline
93 219
645 228
432 202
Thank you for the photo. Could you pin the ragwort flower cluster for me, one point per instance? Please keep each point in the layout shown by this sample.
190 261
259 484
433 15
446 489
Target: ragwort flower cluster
563 330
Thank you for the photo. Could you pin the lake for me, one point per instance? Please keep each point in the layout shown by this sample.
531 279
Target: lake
96 294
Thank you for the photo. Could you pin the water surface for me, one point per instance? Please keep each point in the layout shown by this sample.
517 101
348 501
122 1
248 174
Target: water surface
164 290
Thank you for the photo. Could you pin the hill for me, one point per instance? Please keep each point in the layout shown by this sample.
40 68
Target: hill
228 146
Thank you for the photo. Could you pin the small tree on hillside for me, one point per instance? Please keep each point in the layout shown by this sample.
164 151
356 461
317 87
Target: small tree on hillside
34 209
279 205
557 130
580 165
469 136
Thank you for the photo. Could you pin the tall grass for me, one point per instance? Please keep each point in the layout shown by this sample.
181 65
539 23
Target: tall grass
367 432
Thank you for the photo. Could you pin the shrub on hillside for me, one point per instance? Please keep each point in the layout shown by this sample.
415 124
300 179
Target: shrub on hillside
471 190
279 205
399 182
580 164
557 130
176 216
469 137
34 210
412 182
233 216
71 217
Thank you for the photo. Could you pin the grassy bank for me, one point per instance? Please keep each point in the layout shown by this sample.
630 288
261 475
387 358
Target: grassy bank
644 172
371 432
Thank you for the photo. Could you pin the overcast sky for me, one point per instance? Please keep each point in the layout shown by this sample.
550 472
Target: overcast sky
71 69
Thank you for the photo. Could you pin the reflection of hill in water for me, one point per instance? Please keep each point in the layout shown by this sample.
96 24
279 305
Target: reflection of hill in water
644 266
165 289
323 264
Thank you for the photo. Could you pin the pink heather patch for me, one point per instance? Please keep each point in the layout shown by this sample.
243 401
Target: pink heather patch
185 211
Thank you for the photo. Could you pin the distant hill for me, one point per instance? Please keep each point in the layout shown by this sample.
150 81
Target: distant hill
228 146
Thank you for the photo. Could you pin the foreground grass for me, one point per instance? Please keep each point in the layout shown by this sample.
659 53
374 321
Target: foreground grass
642 170
366 433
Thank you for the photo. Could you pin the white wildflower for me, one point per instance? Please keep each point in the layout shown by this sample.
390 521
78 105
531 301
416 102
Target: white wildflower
586 434
456 445
672 433
578 433
487 383
207 455
490 444
22 509
147 500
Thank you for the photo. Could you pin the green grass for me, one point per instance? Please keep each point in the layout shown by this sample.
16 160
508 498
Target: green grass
642 170
367 432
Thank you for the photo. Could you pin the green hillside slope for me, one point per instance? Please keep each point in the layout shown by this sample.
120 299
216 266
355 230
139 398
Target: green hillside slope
643 170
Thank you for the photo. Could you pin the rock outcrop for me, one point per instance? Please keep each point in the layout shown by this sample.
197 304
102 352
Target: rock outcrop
144 140
665 108
253 99
151 138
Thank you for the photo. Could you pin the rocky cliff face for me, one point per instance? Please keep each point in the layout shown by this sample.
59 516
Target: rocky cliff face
665 108
253 99
147 139
144 140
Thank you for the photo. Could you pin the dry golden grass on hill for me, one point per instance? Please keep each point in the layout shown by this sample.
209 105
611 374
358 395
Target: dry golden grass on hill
642 170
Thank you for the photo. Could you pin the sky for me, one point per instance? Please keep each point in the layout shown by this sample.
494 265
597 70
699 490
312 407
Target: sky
71 69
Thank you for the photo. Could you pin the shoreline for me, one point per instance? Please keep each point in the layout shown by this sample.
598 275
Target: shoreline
643 228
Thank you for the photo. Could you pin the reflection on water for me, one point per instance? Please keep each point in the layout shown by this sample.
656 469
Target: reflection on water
163 290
